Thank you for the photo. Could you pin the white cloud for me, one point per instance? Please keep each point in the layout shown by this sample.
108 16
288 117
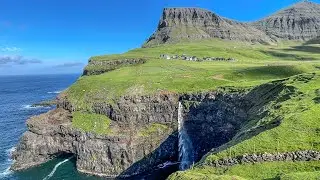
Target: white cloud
18 60
10 49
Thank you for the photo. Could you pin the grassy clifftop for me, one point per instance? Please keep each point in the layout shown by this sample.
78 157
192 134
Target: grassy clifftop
255 64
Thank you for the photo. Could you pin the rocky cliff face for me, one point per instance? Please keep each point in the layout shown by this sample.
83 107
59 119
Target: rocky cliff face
298 22
189 24
144 130
96 67
133 147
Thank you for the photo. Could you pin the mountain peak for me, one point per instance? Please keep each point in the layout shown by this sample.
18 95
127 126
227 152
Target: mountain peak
303 7
301 21
304 3
189 24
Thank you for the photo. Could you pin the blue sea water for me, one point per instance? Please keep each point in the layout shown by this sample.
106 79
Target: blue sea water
17 94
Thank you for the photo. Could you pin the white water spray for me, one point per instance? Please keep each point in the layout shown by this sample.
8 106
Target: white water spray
185 145
55 168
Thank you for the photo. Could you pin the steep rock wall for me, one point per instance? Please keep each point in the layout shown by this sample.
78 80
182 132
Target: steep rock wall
130 149
180 24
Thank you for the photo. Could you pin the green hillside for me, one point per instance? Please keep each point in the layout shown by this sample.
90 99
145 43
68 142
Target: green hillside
255 64
297 65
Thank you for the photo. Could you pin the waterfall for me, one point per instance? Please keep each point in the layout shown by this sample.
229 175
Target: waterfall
185 146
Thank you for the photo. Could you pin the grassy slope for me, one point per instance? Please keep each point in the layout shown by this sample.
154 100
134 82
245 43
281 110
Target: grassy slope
270 171
96 123
301 175
299 130
256 64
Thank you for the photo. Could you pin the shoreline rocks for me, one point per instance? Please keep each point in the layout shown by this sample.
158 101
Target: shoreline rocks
47 103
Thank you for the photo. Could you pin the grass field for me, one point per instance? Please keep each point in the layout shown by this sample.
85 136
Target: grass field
94 123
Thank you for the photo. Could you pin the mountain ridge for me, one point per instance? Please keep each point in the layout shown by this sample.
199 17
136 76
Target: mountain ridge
300 21
178 24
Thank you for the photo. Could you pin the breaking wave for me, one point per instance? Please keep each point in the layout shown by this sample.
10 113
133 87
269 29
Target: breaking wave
33 107
55 168
54 92
7 172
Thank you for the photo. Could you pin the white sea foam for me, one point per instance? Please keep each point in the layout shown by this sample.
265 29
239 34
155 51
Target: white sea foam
5 173
166 164
10 151
33 107
55 168
54 92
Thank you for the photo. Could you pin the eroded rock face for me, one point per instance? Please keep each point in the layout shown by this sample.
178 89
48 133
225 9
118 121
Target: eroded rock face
130 149
298 22
213 119
178 24
96 67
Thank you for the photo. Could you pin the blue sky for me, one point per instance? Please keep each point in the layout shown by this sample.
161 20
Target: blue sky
58 36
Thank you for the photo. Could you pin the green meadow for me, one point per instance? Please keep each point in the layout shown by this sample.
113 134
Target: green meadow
255 64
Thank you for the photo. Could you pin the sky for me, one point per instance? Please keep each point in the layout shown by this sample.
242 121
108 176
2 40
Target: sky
59 36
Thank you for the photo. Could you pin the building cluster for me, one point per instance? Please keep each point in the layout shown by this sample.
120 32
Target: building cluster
194 58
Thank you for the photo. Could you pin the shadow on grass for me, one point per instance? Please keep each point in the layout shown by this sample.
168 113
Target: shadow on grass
287 56
277 71
308 49
313 41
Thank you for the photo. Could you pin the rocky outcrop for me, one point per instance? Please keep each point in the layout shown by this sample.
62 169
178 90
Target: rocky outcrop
134 146
308 155
96 67
298 22
181 24
46 103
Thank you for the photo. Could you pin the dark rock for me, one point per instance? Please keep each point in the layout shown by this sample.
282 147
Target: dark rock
47 103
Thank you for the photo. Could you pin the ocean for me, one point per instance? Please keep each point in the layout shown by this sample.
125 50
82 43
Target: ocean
17 94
